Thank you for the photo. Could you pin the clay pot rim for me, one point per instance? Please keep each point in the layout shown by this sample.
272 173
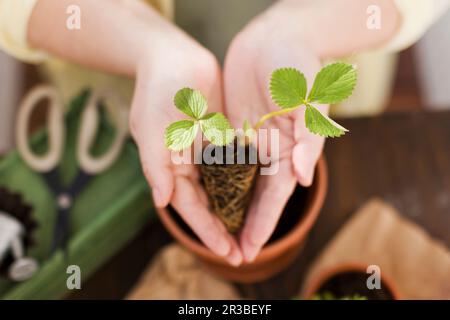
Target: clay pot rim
314 284
296 234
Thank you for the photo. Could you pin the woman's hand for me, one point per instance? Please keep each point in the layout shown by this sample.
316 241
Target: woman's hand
130 38
292 33
177 63
265 45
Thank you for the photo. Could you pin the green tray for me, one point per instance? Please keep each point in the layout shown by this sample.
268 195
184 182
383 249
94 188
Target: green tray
107 214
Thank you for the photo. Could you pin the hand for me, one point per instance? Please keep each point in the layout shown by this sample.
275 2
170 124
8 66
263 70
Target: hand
130 38
266 44
165 70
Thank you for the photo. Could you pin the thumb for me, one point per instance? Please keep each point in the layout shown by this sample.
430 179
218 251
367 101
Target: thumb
155 158
305 156
157 171
147 128
307 149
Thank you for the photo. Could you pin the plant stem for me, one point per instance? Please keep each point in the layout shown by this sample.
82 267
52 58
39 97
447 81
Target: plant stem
270 115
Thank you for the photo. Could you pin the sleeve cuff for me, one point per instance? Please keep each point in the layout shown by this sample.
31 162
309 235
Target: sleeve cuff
417 17
14 18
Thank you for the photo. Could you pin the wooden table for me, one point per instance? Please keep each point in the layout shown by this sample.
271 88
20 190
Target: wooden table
401 158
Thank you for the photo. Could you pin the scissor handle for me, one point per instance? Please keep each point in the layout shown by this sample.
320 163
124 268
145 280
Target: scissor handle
55 128
88 131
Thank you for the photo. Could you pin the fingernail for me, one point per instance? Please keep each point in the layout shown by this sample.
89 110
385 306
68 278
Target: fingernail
250 252
305 175
309 175
223 248
235 259
303 168
157 198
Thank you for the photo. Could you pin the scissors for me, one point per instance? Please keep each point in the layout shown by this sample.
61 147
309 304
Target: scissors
88 165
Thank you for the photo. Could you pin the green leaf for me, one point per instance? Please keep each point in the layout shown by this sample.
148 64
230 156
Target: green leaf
217 129
333 84
288 87
191 102
321 124
180 135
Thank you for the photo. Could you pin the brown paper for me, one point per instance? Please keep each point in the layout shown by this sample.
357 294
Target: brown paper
175 274
378 235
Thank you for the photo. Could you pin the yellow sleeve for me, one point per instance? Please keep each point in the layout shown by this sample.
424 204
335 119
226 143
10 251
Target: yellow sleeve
14 17
417 17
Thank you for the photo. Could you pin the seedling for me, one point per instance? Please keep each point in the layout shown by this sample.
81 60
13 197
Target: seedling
229 186
289 90
215 126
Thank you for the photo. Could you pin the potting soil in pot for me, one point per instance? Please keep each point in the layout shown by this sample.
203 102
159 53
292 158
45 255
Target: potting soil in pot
351 283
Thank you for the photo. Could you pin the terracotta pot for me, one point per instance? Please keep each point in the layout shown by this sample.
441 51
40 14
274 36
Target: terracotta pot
275 256
314 285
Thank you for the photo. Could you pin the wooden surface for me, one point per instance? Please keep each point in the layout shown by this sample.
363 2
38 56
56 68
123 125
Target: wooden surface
406 93
402 158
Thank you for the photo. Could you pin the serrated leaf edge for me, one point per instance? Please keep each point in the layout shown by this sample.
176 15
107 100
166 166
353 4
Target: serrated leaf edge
323 70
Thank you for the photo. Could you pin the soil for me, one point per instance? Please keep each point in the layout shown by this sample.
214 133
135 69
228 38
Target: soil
350 283
229 186
292 214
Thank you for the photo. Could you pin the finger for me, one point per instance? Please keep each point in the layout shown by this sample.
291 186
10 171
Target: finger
235 257
270 197
307 150
305 156
206 226
147 130
156 167
203 198
242 98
